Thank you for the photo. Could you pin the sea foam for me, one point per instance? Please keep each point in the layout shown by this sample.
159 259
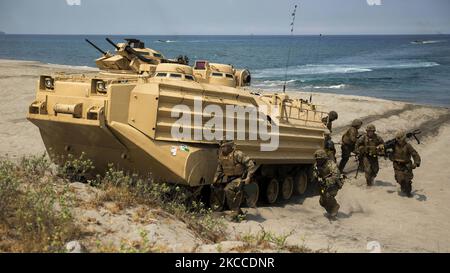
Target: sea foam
311 69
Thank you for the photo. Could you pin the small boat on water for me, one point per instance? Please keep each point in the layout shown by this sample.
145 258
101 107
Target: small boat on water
165 41
422 42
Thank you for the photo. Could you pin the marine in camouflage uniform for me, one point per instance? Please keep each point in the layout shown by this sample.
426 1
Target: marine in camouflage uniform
367 147
403 166
234 168
327 174
328 120
349 139
329 147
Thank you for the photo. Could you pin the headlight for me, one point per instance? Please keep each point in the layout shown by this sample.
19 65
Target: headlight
101 86
49 83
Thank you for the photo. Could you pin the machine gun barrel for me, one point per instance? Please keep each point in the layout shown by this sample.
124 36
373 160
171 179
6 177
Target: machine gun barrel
414 134
96 47
390 144
112 43
133 52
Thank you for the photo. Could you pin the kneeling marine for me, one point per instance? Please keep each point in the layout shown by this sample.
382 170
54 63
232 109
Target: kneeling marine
234 170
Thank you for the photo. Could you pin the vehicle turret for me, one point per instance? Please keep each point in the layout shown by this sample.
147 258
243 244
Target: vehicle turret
174 71
221 74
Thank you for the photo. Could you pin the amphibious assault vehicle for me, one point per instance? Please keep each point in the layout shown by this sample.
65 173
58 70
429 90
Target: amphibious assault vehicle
152 115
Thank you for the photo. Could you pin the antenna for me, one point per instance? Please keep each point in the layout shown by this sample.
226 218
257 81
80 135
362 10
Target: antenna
290 47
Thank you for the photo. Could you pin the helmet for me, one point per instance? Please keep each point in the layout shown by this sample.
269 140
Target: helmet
371 127
400 135
356 123
224 143
320 154
333 115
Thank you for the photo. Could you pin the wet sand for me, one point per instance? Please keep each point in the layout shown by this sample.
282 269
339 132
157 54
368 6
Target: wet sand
399 224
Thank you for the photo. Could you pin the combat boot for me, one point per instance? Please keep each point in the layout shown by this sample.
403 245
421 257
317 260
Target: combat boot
408 188
236 216
369 181
334 212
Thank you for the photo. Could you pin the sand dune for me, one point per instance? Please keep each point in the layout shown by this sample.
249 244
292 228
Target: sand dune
399 224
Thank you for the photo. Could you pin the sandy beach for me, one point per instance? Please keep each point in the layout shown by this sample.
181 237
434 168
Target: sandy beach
399 224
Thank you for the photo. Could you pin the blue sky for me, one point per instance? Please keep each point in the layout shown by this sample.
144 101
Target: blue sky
224 17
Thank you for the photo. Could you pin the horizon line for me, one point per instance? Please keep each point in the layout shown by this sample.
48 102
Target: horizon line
251 34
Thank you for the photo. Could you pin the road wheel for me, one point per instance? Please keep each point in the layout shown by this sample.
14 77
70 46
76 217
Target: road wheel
300 182
287 187
272 191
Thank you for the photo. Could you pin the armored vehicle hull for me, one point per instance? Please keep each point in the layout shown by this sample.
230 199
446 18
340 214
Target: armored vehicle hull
132 120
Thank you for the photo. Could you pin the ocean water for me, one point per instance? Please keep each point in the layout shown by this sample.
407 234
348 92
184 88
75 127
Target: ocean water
389 67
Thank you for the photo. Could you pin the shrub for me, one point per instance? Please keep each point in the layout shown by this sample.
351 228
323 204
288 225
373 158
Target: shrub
268 240
36 204
34 212
35 166
75 169
129 190
9 188
43 219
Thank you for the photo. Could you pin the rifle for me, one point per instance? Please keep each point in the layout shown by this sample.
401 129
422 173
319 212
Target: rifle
390 144
358 159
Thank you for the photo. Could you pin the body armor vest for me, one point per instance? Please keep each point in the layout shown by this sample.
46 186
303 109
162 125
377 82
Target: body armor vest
229 166
346 137
325 172
371 145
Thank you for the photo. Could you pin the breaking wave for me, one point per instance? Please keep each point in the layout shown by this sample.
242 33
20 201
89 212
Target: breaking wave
269 84
336 86
311 69
272 83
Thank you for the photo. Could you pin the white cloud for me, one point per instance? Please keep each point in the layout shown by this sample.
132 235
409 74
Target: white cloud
374 2
73 2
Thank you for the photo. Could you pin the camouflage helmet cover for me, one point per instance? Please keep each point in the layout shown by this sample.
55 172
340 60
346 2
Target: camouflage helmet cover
226 143
371 127
357 123
320 154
